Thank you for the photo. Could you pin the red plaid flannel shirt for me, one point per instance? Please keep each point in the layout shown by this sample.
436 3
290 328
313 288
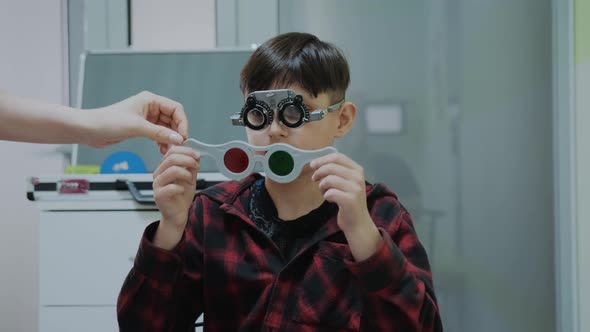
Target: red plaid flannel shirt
226 268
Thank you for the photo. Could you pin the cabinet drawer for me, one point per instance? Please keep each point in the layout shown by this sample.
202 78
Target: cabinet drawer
85 255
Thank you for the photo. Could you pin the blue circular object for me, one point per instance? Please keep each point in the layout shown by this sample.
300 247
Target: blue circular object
123 162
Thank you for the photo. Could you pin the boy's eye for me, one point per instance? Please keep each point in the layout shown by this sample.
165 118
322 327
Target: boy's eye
292 114
255 117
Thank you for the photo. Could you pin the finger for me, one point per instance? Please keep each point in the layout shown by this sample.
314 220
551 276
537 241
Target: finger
337 182
175 111
337 196
165 119
169 190
152 115
180 123
336 169
160 134
159 119
182 150
163 148
160 170
161 123
176 175
179 160
336 158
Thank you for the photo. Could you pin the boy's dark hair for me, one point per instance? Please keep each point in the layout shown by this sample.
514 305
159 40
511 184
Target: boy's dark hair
297 58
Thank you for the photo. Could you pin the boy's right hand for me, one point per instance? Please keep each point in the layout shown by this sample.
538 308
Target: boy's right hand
174 189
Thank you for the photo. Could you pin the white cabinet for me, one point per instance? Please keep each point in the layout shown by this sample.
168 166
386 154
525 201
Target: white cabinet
84 258
90 231
86 252
85 255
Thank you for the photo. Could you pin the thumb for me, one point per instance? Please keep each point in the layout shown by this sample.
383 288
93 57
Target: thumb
162 135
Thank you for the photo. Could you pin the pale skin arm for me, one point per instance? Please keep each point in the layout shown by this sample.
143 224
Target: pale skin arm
143 115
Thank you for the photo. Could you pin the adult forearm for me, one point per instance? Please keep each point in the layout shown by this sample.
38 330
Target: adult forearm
36 122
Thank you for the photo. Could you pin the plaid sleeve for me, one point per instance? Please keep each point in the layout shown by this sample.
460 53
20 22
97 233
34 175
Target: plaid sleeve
154 294
396 280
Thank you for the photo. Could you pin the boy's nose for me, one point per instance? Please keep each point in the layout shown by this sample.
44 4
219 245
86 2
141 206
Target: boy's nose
277 129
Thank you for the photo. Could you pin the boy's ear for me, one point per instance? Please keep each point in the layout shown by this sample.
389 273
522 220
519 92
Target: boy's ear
346 118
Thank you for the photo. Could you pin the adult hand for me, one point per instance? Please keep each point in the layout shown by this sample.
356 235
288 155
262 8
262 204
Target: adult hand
144 115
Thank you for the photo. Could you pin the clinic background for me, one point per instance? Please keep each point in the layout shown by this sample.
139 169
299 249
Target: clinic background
479 153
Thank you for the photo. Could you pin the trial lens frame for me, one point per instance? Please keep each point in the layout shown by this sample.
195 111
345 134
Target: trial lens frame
266 102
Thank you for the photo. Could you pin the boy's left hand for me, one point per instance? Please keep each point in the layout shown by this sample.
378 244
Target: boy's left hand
342 181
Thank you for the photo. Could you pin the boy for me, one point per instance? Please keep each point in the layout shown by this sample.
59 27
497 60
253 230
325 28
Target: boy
325 252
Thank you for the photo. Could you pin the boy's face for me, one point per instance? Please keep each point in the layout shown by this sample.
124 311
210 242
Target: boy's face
312 135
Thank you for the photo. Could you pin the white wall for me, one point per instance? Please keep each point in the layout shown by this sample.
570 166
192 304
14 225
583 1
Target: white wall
490 171
31 65
582 92
507 166
583 190
243 23
173 24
